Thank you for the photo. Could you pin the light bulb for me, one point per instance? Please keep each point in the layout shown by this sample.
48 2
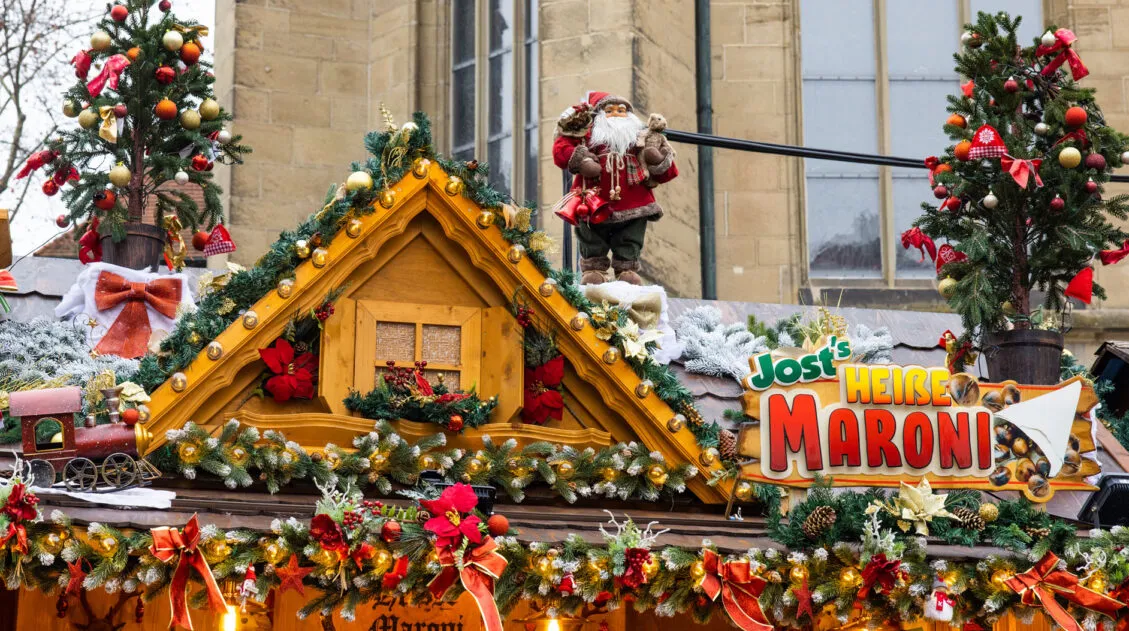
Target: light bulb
230 618
554 625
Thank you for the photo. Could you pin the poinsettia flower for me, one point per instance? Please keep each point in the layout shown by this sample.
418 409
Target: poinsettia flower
635 340
543 399
451 522
21 504
294 378
328 533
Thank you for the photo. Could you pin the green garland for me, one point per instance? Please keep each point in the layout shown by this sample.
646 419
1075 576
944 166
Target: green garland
452 410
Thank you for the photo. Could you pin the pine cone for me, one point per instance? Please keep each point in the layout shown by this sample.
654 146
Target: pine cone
1037 533
969 518
818 522
727 444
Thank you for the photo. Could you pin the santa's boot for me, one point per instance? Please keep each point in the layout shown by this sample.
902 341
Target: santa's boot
627 271
594 270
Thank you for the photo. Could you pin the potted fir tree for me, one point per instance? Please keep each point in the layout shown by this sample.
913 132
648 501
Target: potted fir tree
1021 213
146 115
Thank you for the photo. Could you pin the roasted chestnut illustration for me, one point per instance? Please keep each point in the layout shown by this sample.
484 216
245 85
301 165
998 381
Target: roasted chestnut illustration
1000 476
993 401
1039 486
1071 463
1025 470
964 390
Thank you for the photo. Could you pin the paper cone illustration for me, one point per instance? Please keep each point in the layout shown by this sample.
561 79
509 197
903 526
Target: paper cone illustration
1047 421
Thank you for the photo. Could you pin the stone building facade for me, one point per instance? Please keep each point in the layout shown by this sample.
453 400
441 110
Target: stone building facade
305 81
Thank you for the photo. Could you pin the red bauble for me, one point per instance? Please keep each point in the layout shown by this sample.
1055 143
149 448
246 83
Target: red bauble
62 221
190 53
952 203
105 200
455 423
1058 204
200 240
391 531
1091 187
497 525
200 163
50 188
120 110
1075 117
165 75
1011 86
164 5
1095 161
131 416
119 13
940 192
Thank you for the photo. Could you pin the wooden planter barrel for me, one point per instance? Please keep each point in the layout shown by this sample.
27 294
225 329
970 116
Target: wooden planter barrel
1028 356
140 249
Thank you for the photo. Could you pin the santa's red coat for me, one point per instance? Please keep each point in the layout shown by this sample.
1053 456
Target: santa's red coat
636 200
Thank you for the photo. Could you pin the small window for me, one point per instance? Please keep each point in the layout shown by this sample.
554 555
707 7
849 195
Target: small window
48 434
447 338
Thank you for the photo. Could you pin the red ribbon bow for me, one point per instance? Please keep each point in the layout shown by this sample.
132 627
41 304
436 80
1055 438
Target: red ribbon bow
915 238
739 589
1109 257
1063 39
1021 170
19 533
481 565
108 78
1078 136
1039 585
35 161
129 335
81 62
170 544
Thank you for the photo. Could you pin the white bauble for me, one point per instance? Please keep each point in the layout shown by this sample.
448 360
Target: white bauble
1125 157
1042 129
173 40
181 178
990 201
223 137
1048 39
965 38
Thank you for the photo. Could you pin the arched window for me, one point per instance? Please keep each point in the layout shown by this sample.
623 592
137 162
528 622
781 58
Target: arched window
48 434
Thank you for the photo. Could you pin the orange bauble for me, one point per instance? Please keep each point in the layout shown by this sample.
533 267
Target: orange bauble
165 110
961 150
105 200
956 119
133 53
200 240
190 53
942 168
497 525
131 416
1075 117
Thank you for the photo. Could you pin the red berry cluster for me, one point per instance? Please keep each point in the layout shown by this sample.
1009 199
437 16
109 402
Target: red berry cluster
352 519
323 312
524 317
402 377
374 506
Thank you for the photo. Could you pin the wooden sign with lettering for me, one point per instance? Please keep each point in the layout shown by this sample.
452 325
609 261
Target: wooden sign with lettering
877 425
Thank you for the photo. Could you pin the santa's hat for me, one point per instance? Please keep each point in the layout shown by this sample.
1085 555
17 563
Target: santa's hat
219 242
987 143
599 99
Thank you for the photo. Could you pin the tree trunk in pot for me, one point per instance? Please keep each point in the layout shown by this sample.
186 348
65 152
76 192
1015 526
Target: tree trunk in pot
1027 356
141 248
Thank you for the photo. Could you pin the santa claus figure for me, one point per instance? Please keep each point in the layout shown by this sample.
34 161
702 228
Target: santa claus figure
618 159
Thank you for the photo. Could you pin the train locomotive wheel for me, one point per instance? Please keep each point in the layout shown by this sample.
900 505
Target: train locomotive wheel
40 473
80 474
119 470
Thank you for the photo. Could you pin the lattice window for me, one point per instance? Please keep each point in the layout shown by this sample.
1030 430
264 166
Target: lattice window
447 338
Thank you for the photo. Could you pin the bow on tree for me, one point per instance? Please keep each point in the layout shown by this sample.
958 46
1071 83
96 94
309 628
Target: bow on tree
480 566
35 161
108 78
739 589
915 238
170 544
1110 257
1040 585
129 334
1021 170
1064 38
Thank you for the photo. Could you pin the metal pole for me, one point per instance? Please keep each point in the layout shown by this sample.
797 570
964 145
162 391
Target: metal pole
706 241
566 236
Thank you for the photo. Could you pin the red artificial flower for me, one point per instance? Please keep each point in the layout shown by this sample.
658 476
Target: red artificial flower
392 579
543 399
451 397
328 533
880 574
21 504
451 521
634 560
81 62
294 378
423 385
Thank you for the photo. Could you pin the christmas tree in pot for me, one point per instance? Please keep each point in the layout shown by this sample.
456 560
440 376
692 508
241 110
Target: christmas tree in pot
146 115
1021 210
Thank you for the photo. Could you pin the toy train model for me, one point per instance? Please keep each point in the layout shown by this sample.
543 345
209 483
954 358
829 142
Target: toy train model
90 458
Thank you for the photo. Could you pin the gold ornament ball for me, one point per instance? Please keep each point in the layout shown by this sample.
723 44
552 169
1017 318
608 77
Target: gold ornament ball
209 110
70 108
179 382
565 470
285 287
52 543
190 119
609 474
88 119
420 168
798 573
353 228
651 566
320 257
579 321
217 550
1070 157
611 355
238 455
989 512
302 248
143 414
120 175
427 462
358 180
189 453
387 199
475 466
1098 583
274 553
1008 308
657 474
544 565
382 560
214 350
697 571
744 491
333 459
250 320
454 186
107 546
100 40
548 287
676 423
173 40
377 462
709 457
947 287
1000 578
516 253
644 388
849 577
485 219
325 558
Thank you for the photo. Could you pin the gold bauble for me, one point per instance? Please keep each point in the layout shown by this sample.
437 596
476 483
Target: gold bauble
52 543
515 253
194 338
798 573
302 248
697 571
709 457
189 453
285 287
657 474
989 512
214 350
475 466
387 199
454 186
238 455
611 355
644 388
143 414
651 566
120 176
849 577
381 560
743 491
377 462
106 546
320 257
209 109
947 287
333 459
1097 583
274 553
578 321
548 287
100 40
70 108
485 219
1007 308
216 551
179 382
565 470
173 40
190 119
1000 578
544 565
420 168
1070 157
250 320
88 119
609 474
597 565
325 558
359 180
427 462
353 228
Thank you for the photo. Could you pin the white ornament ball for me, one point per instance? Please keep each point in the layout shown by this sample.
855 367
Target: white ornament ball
1125 157
181 178
173 40
100 40
358 180
1048 39
223 137
965 38
1042 129
990 201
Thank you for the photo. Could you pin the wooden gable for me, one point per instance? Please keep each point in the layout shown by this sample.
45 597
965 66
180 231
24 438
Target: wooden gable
425 281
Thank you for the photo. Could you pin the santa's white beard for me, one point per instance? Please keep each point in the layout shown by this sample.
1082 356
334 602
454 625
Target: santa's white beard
617 133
